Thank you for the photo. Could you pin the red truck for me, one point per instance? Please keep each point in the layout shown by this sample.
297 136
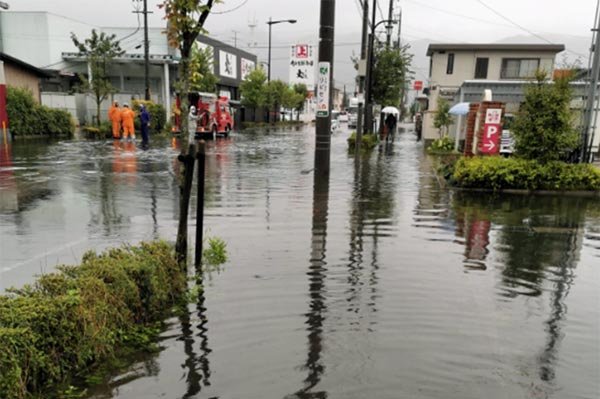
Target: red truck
214 114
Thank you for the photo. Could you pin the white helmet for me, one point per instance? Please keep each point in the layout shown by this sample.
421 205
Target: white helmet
192 109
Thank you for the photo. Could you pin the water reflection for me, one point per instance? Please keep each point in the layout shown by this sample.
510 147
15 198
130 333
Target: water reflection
315 318
197 366
539 240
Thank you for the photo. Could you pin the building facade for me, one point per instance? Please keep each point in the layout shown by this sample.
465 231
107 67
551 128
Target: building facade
453 64
22 75
43 40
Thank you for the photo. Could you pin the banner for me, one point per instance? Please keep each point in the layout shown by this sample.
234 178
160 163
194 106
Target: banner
227 65
302 65
247 67
323 89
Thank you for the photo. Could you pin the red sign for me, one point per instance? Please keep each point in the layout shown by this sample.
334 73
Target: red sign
490 142
418 85
302 51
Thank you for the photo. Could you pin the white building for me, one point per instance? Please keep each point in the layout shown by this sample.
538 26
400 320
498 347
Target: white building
453 64
43 40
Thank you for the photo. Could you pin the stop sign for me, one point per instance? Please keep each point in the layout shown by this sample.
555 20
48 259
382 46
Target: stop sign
418 85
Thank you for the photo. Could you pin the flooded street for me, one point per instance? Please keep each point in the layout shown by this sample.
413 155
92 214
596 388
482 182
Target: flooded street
377 283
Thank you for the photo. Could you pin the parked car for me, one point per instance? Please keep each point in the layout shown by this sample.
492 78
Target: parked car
343 118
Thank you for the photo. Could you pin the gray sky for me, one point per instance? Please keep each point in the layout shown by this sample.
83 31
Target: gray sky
434 20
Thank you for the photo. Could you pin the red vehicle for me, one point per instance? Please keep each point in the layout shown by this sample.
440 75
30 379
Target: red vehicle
214 114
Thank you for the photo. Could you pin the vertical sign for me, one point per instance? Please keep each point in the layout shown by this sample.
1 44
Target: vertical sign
492 129
3 113
302 65
228 64
323 89
247 67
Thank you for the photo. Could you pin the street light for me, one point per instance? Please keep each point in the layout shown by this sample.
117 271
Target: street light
270 23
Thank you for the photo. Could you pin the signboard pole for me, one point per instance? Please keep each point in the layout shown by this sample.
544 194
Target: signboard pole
325 75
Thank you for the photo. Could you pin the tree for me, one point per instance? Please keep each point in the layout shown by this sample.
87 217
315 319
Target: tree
543 128
302 94
201 65
186 20
275 95
443 119
391 73
99 50
253 89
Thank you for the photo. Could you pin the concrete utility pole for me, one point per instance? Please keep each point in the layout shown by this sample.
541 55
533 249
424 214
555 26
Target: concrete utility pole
388 37
368 91
363 60
324 88
589 116
146 50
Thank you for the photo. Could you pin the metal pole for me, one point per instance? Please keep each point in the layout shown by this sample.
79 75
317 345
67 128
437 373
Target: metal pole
269 64
323 123
399 29
590 109
458 123
388 36
201 157
146 53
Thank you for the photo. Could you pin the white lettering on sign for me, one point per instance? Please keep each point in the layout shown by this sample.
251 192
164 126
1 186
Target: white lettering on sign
491 130
323 89
493 115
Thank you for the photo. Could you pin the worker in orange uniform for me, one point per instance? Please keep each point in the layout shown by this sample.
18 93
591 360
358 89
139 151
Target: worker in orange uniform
114 115
127 116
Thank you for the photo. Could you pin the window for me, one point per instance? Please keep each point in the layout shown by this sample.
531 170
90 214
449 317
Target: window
481 68
514 68
450 65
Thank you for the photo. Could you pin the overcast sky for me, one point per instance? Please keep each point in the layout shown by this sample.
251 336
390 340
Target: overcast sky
435 20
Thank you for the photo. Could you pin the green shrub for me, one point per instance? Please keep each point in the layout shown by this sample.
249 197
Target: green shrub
543 128
158 115
498 173
442 145
68 321
369 141
28 118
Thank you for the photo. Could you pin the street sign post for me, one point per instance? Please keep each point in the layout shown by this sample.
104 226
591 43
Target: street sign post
418 85
323 89
492 130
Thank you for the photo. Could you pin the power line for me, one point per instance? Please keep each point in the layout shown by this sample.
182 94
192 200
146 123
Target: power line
522 27
243 3
380 12
442 10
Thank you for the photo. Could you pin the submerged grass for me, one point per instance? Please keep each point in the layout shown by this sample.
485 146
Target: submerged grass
67 322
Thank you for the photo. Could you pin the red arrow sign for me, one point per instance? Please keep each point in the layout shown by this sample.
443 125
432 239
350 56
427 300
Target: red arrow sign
490 139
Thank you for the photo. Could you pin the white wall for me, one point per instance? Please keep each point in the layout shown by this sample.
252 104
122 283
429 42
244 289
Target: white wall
464 64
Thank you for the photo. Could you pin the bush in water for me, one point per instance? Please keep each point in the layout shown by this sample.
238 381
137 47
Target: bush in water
499 173
68 321
28 118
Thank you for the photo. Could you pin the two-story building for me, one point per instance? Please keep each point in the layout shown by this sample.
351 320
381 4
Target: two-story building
451 65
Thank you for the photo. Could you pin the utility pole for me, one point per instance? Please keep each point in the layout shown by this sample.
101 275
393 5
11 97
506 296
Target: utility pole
146 50
324 88
369 78
388 37
235 32
399 29
363 61
589 116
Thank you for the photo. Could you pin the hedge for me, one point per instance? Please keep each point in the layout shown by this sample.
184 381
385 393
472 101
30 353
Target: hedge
158 115
499 173
368 141
28 118
66 322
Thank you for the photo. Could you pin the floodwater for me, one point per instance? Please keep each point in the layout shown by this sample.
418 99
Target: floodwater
375 283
